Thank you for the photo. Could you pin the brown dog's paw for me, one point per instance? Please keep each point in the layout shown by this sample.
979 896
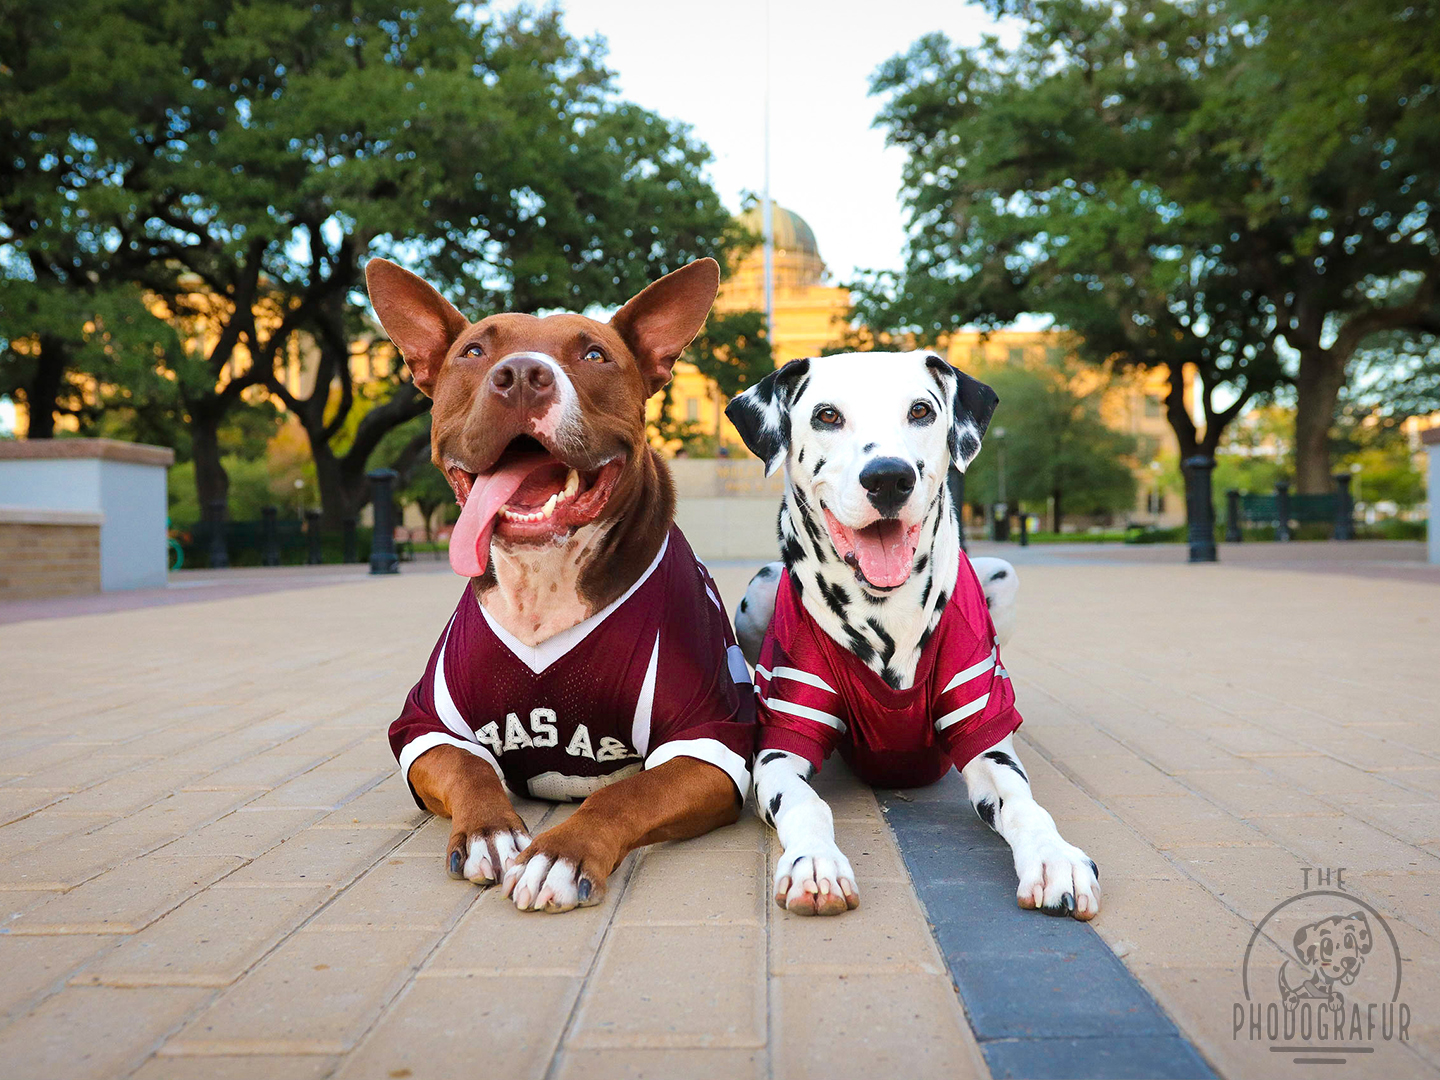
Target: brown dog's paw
484 854
562 869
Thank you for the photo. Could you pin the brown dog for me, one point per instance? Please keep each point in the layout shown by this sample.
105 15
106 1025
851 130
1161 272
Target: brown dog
589 657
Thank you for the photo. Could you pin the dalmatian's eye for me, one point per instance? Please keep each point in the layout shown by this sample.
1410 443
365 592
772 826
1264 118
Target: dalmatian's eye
827 416
921 411
473 349
595 355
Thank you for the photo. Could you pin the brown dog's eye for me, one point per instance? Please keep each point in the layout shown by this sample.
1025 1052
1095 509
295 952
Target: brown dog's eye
920 411
594 354
473 349
827 416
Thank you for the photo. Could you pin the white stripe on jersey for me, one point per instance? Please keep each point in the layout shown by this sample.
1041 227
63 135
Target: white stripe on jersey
806 713
796 675
444 703
973 671
640 727
961 713
739 673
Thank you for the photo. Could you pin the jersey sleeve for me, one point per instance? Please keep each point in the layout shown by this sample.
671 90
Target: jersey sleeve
975 706
431 717
704 704
799 707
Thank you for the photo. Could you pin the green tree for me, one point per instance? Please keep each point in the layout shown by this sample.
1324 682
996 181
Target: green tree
1057 450
254 155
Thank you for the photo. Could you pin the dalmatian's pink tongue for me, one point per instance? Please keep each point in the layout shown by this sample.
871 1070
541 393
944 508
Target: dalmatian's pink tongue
470 538
883 551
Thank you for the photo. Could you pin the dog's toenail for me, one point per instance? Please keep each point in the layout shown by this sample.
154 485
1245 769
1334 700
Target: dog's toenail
1095 869
584 889
1068 903
457 862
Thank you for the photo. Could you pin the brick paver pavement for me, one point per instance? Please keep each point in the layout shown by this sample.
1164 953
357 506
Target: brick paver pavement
208 866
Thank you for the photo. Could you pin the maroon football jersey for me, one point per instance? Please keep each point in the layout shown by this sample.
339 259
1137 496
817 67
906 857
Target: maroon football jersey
653 676
816 696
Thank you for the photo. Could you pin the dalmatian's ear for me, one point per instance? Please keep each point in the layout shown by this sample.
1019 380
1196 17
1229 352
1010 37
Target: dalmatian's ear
972 403
762 414
1362 932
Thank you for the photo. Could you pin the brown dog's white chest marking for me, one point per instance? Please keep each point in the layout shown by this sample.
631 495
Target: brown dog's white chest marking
536 594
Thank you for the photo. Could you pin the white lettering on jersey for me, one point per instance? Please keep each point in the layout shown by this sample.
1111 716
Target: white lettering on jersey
558 787
489 735
580 743
542 723
516 737
612 749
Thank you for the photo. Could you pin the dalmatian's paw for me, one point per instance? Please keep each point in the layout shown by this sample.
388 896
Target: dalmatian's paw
483 855
1057 878
815 880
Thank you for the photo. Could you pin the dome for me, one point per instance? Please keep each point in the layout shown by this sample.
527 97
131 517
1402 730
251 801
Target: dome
792 233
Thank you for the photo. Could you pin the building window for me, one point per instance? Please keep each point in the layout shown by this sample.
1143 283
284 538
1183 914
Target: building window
1155 502
692 408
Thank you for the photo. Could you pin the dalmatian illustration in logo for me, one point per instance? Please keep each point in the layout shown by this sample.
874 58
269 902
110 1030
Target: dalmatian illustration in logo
1331 953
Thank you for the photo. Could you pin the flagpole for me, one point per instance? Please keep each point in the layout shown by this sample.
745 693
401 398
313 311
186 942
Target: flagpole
768 210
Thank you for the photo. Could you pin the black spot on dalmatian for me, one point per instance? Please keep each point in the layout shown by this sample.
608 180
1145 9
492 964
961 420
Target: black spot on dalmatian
986 809
812 527
867 448
745 604
773 755
863 650
836 598
892 678
775 804
1002 758
925 592
998 574
1095 869
819 464
790 551
920 564
767 571
801 459
887 643
925 638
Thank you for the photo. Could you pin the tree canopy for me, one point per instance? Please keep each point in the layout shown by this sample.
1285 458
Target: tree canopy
246 158
1143 172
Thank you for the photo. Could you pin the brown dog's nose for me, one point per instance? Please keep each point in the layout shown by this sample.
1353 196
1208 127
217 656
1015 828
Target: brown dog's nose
522 380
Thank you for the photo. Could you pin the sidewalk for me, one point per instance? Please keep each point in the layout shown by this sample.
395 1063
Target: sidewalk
209 866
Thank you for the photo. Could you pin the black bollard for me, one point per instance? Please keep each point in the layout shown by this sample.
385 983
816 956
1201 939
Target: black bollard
1200 508
348 541
1233 535
1000 517
956 482
383 559
1282 512
1344 508
269 536
312 533
219 550
1024 529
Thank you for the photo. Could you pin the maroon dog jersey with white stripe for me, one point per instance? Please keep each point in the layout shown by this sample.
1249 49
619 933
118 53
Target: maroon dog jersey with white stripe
815 696
653 676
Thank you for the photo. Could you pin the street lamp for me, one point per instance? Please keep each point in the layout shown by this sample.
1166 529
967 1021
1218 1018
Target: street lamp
1002 511
299 500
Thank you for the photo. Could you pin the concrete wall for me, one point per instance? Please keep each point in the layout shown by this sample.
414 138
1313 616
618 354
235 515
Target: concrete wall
48 553
122 483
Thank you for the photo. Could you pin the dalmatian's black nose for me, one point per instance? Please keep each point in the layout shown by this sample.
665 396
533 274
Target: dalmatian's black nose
889 480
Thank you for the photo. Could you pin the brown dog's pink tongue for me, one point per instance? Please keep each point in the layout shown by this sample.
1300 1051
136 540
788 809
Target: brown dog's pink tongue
885 553
470 539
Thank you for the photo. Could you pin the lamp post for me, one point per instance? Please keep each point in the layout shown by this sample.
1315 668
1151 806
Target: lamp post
299 499
1002 509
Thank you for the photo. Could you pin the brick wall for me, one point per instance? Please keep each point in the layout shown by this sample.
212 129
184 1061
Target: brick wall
41 559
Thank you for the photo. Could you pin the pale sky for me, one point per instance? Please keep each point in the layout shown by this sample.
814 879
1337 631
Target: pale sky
705 63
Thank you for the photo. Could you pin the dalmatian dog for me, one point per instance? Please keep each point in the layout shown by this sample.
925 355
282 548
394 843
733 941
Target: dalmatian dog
875 634
1332 952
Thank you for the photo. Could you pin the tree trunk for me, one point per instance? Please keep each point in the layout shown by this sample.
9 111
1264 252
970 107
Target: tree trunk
43 394
1317 393
1056 515
211 481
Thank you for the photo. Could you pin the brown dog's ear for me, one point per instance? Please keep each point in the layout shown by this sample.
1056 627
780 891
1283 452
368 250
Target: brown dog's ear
421 323
661 320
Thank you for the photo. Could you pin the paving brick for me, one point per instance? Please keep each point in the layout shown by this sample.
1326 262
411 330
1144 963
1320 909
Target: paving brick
98 1032
686 885
675 987
472 1025
259 771
209 940
321 787
246 1067
244 832
31 966
886 934
1177 922
398 894
1184 821
873 1025
126 899
494 938
387 805
15 803
318 857
1248 880
661 1064
45 827
1347 842
316 994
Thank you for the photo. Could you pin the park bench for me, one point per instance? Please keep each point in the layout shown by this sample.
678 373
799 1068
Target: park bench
1285 510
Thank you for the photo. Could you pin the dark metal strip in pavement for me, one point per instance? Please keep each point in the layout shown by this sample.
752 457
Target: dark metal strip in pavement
1046 997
